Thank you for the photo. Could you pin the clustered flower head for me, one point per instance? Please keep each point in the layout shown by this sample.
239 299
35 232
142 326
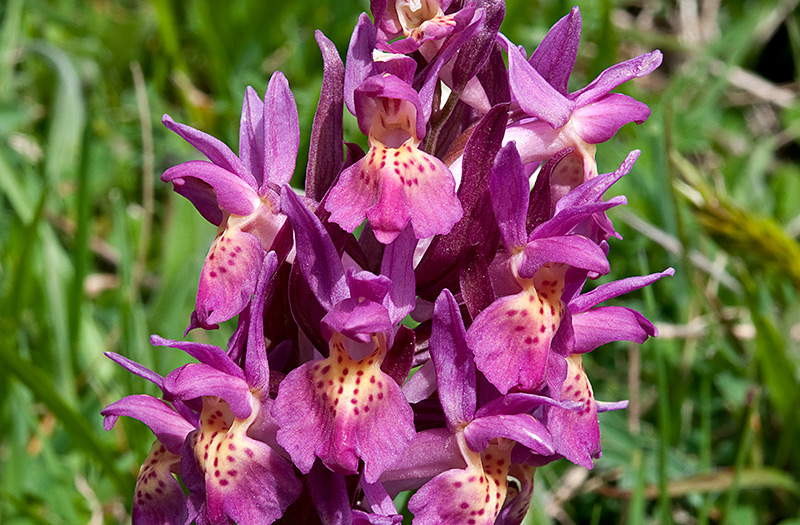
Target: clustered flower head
415 320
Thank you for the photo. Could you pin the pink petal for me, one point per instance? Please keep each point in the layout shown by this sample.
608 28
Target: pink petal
341 410
511 339
576 433
229 276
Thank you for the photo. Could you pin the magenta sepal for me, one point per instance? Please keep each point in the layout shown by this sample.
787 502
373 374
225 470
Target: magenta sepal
137 369
555 55
522 428
208 354
214 149
232 193
197 380
169 427
613 289
574 250
605 324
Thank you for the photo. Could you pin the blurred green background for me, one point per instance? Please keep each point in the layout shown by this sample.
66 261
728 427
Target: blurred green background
96 253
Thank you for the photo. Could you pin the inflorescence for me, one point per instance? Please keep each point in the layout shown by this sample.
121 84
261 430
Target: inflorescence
415 320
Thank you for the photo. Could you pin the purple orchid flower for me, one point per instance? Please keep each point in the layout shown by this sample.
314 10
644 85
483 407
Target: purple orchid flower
485 436
534 315
240 196
529 277
344 407
395 183
423 24
232 471
577 433
554 119
158 497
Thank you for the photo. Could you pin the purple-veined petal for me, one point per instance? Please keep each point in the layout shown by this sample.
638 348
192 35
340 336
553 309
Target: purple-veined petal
605 324
159 498
281 132
318 260
135 368
197 380
522 428
616 75
207 354
229 275
509 187
214 149
233 194
342 410
574 250
378 499
359 64
567 219
362 518
169 427
613 289
555 56
535 96
251 136
599 121
511 339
